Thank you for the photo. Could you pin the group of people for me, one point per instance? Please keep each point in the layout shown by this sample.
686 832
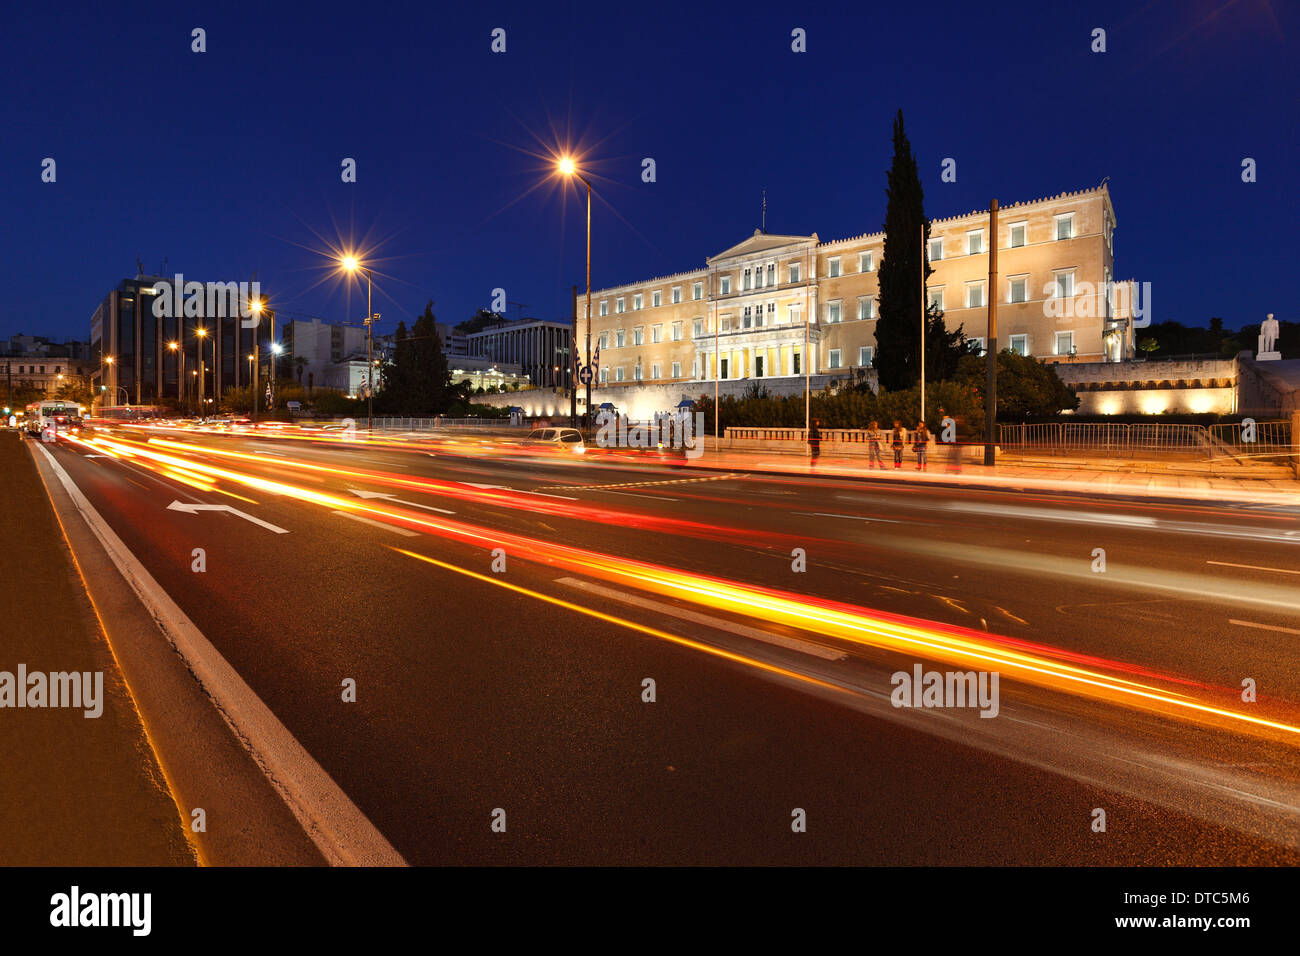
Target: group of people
897 438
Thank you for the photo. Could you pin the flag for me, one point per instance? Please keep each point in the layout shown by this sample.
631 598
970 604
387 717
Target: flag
595 361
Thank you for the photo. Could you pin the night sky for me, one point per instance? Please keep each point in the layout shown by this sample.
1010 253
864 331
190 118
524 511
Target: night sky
228 162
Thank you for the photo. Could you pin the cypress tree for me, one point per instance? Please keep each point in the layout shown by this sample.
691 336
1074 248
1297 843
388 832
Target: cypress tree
898 330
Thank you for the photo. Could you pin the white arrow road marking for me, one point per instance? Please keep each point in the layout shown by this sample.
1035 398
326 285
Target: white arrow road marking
540 494
406 532
195 509
383 494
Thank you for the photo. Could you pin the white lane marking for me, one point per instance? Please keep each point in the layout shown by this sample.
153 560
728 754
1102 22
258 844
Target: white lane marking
382 494
630 494
1264 627
541 494
1252 567
406 532
343 834
1053 514
823 514
196 508
780 640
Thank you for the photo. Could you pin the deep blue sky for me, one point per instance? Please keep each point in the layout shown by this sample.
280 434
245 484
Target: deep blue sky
228 161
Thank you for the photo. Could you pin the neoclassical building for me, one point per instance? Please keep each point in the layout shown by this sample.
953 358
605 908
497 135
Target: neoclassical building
767 305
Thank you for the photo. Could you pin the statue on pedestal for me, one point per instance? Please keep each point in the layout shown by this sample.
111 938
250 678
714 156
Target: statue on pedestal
1268 333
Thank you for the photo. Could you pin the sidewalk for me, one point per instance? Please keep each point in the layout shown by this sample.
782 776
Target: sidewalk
1058 475
75 790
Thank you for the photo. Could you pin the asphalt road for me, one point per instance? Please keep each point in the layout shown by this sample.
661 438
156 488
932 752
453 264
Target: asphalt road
520 688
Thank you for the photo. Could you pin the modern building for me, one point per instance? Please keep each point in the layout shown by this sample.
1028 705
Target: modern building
539 348
488 373
770 303
332 355
130 347
48 373
453 343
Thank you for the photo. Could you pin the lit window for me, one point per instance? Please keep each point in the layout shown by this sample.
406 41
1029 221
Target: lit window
657 299
724 285
1065 226
1019 290
936 250
619 306
636 302
1017 235
677 294
867 307
1064 285
834 264
975 296
975 243
865 355
657 336
1064 343
771 273
832 312
677 370
604 307
866 262
697 290
618 339
654 372
794 272
618 374
1020 344
936 299
835 359
604 376
638 336
698 329
604 340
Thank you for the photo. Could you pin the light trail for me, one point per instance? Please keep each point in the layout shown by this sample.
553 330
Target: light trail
1031 663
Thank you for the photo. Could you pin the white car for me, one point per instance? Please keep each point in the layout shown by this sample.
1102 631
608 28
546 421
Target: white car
557 439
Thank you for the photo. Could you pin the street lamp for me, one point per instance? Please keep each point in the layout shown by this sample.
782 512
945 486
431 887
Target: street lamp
201 334
180 376
255 306
276 349
351 264
567 167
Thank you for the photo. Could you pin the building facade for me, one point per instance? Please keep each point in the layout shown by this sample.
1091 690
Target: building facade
134 362
538 347
776 306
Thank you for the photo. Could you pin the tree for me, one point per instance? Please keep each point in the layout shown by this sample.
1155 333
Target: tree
480 320
1027 387
907 232
416 381
944 350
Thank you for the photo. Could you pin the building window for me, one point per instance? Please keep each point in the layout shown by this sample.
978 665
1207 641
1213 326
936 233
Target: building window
677 370
698 328
604 340
1064 284
978 342
975 295
618 374
867 307
1017 235
619 306
936 299
656 299
654 372
748 317
832 312
798 361
636 372
618 339
771 313
677 294
604 307
604 376
697 290
1019 290
771 273
636 302
724 285
656 336
834 264
1065 226
866 262
638 336
936 250
1064 343
865 354
725 324
835 359
975 242
796 315
794 272
1020 344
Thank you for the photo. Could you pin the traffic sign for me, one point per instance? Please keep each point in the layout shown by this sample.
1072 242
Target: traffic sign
584 375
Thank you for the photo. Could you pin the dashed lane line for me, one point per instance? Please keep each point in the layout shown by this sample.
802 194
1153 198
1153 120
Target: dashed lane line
644 484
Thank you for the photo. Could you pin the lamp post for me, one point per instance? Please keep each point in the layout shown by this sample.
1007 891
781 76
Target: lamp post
276 349
351 265
255 306
180 375
200 334
112 374
568 167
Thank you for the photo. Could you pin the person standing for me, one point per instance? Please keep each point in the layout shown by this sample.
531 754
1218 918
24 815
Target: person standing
873 446
920 445
814 441
897 439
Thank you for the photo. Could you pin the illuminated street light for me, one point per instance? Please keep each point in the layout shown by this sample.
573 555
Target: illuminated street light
351 264
567 167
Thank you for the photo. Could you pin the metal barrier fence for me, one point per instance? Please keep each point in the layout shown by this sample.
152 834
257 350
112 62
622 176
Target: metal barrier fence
841 435
1147 439
427 424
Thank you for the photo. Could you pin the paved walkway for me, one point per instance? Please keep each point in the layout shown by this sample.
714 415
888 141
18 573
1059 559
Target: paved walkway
1058 475
75 790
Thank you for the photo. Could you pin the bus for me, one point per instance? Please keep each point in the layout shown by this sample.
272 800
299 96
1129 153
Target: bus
63 415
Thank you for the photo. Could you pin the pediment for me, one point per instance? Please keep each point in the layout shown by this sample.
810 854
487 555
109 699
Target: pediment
761 242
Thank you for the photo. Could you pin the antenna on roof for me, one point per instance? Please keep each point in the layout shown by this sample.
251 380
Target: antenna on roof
139 268
764 211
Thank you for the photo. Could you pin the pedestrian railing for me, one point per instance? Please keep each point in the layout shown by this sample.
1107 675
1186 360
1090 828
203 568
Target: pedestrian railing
427 424
1146 439
841 435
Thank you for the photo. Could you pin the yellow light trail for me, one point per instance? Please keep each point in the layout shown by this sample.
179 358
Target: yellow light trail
822 617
